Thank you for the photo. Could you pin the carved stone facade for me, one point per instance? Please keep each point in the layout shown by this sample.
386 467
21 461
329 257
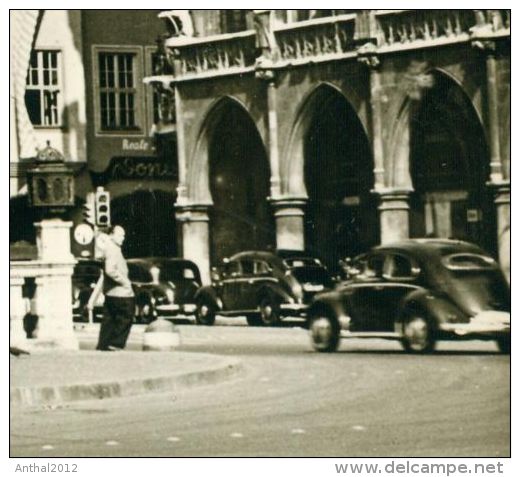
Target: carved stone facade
382 74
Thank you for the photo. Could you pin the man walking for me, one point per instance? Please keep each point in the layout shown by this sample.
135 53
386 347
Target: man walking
119 306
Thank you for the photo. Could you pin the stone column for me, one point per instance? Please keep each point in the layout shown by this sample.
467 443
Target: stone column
290 222
489 49
272 119
394 215
54 285
503 206
54 292
501 188
17 336
367 56
194 222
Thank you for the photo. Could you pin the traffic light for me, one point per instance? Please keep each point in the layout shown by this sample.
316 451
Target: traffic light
89 209
102 207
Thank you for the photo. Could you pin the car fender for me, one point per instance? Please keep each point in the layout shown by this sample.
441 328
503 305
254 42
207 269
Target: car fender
437 307
209 293
275 291
331 302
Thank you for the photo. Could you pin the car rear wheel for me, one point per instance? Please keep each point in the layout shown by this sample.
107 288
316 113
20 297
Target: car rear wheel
504 345
205 314
270 311
417 334
324 331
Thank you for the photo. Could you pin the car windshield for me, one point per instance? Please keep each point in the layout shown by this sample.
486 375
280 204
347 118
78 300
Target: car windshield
176 271
314 275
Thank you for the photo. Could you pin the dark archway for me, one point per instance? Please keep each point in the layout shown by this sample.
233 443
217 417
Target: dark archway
341 218
449 165
148 216
239 175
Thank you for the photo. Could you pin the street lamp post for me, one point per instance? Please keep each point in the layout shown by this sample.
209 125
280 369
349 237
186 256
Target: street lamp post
51 190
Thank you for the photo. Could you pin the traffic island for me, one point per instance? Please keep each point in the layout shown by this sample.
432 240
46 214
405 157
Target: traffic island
59 378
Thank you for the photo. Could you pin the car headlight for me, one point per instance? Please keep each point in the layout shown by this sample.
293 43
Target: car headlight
170 295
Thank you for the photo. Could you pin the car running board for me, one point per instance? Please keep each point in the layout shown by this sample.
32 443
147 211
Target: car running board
388 335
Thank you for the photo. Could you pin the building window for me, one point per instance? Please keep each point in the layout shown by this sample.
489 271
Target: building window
117 91
43 89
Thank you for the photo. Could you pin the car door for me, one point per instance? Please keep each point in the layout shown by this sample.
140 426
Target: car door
362 295
375 297
247 286
230 285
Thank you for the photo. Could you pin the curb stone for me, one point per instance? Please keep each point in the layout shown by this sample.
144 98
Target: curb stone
59 394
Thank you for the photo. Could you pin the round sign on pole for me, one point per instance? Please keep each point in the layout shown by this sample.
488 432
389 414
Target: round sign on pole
83 234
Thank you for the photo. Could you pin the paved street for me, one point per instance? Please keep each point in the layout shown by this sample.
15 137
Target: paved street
369 399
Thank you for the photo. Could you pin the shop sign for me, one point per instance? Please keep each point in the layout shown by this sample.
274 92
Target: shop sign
137 168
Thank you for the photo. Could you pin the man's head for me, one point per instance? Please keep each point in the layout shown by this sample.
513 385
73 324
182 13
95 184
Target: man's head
117 234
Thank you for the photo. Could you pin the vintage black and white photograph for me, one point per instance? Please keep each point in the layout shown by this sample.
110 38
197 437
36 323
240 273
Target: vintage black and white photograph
260 233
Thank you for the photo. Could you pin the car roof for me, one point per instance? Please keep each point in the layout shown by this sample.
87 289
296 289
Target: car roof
150 261
428 246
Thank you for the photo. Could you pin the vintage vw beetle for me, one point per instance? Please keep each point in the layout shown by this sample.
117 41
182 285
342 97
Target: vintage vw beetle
417 291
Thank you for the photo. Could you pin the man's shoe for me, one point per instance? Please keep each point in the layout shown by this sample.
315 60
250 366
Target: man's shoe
114 348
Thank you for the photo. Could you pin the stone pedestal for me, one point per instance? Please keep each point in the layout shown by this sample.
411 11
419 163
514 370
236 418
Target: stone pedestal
195 237
53 240
54 298
503 205
394 216
290 222
17 311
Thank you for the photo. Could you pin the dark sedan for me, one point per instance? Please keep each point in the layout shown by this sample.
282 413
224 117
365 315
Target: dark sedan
263 286
417 291
163 286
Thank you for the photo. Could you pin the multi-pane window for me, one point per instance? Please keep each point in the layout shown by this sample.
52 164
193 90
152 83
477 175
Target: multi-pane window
43 89
117 91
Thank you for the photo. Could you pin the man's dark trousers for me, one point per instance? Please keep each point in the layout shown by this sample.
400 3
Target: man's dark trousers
118 317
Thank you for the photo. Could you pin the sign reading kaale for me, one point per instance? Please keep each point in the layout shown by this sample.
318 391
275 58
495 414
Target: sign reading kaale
138 168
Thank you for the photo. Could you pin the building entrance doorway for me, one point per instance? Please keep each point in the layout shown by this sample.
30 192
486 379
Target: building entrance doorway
148 217
449 168
240 218
341 219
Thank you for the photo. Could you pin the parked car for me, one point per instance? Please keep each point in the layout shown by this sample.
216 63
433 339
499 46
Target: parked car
163 286
417 291
85 275
265 287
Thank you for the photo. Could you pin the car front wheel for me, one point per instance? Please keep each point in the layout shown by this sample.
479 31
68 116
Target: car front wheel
417 334
324 331
504 345
145 311
205 314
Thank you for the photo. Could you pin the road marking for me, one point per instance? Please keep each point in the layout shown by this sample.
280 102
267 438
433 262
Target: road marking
173 439
298 431
399 371
111 443
265 379
236 435
358 428
47 447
